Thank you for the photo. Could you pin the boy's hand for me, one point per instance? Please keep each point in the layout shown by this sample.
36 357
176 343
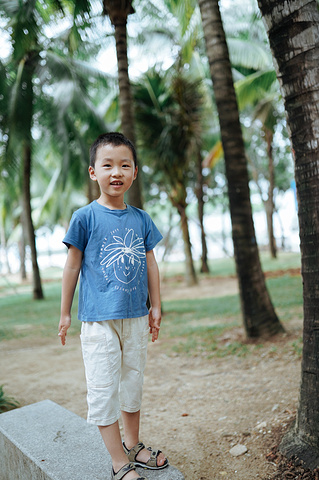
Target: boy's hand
154 319
64 325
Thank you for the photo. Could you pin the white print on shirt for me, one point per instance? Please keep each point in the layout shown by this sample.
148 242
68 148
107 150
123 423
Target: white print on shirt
125 255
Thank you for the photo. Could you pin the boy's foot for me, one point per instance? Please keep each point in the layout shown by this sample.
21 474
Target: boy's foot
146 457
127 472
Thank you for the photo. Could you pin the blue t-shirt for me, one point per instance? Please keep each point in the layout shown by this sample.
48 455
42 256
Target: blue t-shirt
113 280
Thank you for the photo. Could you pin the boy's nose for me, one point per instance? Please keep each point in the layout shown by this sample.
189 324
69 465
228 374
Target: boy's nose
117 172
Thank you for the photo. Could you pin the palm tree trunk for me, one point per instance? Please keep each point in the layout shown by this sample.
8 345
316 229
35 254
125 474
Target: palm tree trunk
22 245
258 312
4 245
293 30
191 278
200 200
27 114
118 12
178 200
270 228
270 206
26 200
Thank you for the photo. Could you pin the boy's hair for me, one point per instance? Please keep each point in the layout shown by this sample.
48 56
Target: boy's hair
111 138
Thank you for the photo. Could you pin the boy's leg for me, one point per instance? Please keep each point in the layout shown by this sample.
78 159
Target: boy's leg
134 352
100 347
131 424
113 442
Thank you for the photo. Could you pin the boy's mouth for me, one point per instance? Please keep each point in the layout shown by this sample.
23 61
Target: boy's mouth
116 183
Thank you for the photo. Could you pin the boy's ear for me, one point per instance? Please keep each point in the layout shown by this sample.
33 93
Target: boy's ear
135 173
92 173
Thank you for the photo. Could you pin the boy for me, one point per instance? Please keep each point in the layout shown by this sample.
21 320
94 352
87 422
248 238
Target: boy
112 244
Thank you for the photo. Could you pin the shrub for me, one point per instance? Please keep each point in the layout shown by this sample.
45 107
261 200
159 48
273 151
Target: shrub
6 403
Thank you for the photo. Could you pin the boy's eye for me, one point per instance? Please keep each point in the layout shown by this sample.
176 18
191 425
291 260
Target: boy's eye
126 165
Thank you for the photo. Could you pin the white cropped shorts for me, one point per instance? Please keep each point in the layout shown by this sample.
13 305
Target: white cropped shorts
114 354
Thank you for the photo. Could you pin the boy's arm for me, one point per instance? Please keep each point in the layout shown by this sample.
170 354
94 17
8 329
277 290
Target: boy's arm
155 314
69 280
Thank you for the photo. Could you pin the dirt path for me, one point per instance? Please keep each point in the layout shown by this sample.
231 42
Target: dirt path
194 408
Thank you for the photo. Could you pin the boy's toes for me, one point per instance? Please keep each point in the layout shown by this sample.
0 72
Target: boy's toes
161 459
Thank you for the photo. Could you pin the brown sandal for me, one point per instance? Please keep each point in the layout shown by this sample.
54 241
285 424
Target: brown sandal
152 461
128 467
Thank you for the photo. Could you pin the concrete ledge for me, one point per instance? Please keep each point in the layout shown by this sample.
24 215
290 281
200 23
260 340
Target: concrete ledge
44 441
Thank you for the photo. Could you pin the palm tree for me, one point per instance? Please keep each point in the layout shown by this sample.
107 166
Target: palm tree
262 96
293 29
259 315
176 25
256 86
118 11
25 57
69 118
168 114
35 63
264 112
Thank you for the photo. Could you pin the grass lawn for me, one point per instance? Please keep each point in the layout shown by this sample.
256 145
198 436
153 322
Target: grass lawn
22 316
201 326
226 266
190 326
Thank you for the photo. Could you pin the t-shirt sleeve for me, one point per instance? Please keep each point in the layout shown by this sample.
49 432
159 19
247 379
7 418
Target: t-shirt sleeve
153 236
76 234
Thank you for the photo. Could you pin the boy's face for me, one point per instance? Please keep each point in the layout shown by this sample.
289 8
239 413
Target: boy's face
114 170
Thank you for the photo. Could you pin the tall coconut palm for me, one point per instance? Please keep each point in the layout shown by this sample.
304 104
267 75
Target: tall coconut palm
177 26
263 107
258 312
256 85
33 59
24 33
168 111
293 30
264 112
25 58
118 11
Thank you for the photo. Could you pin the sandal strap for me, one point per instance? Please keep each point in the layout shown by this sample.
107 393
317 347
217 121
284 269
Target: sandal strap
134 451
128 467
152 461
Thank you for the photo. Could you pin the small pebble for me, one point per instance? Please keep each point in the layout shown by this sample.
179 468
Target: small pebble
238 450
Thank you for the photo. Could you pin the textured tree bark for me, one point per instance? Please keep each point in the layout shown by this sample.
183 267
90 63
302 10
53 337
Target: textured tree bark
178 200
269 204
22 245
191 278
199 193
4 245
293 30
118 11
28 96
37 286
259 316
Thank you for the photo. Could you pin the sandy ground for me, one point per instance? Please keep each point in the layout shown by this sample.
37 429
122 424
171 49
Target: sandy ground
194 408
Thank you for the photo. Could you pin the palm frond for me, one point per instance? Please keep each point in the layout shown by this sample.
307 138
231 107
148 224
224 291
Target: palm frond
168 114
249 89
10 7
44 199
266 111
50 7
183 11
66 68
248 54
